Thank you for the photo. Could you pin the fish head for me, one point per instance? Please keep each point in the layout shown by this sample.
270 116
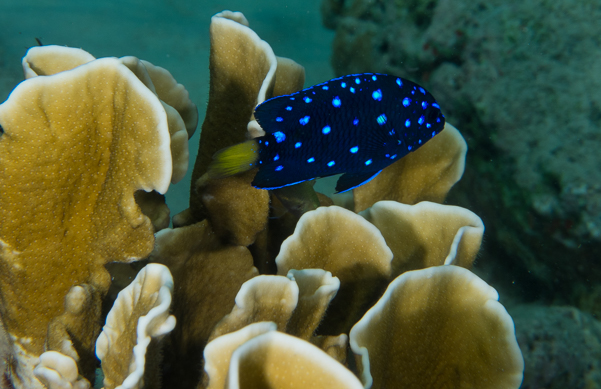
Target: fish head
416 120
434 116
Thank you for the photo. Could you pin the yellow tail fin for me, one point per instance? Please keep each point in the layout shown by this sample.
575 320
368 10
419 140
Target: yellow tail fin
234 159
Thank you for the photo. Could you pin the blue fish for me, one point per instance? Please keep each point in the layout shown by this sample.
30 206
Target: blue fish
356 125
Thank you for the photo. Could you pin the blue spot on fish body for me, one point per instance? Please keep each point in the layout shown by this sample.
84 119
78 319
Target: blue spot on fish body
279 137
361 150
377 95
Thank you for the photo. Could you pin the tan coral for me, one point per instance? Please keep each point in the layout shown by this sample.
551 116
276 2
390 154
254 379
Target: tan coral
59 371
76 146
74 333
140 314
277 360
317 288
440 327
262 298
424 175
352 249
242 70
334 346
218 353
295 304
427 234
289 77
152 204
174 94
208 275
237 211
182 114
49 60
168 88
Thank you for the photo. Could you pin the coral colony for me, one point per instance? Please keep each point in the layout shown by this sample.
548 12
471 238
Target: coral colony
244 288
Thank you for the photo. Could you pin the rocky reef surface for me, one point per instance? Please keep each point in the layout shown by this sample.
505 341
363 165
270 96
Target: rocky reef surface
521 79
561 347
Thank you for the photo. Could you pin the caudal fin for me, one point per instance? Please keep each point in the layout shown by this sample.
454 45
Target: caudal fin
234 160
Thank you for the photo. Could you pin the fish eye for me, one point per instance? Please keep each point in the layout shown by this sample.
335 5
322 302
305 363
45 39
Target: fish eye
432 114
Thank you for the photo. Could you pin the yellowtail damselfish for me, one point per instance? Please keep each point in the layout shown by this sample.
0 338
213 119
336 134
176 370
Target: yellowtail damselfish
356 125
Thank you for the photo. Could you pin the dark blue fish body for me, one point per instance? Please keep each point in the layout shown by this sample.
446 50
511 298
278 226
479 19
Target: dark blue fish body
356 124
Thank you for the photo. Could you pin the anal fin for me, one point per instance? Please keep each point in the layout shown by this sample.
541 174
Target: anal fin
350 181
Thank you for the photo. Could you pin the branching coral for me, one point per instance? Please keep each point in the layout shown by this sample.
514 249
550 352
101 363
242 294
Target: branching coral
80 160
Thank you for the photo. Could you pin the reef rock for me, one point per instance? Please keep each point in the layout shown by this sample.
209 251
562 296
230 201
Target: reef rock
561 347
522 82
